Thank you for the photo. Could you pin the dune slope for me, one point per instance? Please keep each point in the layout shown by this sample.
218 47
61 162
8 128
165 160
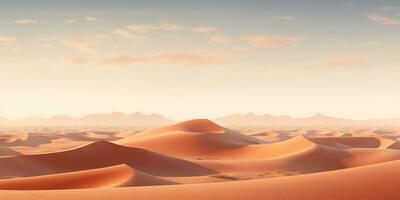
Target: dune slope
115 176
97 155
374 182
356 142
192 138
5 151
25 139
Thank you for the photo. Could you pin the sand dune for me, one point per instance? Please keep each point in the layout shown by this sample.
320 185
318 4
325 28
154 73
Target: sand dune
352 184
90 136
395 145
356 142
25 139
294 156
231 146
298 155
97 155
5 151
115 176
191 138
199 159
197 125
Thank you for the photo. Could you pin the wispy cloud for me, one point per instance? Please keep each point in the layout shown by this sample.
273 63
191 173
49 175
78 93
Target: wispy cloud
70 21
205 29
75 60
219 39
127 34
141 28
191 58
170 27
26 21
341 61
284 17
91 19
144 28
139 31
267 41
83 46
8 44
384 20
7 41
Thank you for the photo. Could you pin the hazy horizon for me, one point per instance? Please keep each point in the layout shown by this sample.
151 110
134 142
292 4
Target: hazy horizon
185 119
191 59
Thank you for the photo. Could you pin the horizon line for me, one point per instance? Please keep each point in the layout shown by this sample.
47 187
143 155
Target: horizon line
189 118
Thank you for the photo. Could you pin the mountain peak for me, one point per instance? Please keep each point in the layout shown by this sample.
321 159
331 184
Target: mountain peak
318 115
250 114
97 119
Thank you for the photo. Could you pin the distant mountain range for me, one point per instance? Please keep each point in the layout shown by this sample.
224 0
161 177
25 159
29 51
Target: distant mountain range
105 119
138 119
317 120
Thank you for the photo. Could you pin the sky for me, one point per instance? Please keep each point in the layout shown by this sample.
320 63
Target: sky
200 59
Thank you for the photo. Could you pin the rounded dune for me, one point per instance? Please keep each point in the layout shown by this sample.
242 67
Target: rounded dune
26 139
296 155
395 145
97 155
270 151
115 176
368 182
5 151
90 136
306 155
195 125
355 142
15 137
189 139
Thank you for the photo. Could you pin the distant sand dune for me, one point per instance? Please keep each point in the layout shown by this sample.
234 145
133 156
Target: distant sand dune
25 139
5 151
356 142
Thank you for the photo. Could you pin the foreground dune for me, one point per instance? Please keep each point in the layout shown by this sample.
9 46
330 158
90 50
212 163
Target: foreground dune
116 176
98 155
368 182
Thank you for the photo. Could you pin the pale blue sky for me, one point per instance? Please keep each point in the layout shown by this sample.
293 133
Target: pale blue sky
188 59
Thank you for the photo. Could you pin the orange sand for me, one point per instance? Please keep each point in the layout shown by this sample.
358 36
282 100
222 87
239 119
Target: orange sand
199 159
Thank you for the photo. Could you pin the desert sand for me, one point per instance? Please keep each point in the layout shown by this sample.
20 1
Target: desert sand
200 159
